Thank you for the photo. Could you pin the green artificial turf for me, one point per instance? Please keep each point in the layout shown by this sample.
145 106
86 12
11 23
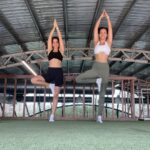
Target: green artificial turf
74 135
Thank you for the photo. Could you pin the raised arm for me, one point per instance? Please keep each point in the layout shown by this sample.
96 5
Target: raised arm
96 38
50 38
110 32
60 39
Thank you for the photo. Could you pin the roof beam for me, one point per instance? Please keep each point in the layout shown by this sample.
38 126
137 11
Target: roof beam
41 56
120 23
131 43
64 3
82 66
139 69
4 52
139 34
35 20
146 77
4 71
11 30
98 9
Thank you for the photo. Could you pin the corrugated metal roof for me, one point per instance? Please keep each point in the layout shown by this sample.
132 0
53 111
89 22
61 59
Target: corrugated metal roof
25 25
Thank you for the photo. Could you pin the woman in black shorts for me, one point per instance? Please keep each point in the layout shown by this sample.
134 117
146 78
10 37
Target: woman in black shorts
54 76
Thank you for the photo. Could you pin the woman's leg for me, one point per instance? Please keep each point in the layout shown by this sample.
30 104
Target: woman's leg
102 97
89 76
55 99
39 80
105 77
55 102
102 80
58 79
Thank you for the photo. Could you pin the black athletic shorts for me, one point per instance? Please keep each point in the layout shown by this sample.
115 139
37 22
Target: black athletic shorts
54 75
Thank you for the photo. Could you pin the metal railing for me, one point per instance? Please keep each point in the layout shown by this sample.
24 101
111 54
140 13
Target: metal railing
20 99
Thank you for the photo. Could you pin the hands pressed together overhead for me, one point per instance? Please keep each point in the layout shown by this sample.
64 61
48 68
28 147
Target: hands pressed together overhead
104 14
55 24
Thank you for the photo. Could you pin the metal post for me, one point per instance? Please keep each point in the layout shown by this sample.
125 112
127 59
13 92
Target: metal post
148 100
14 98
64 99
122 98
73 99
5 88
34 101
113 91
44 101
132 100
93 90
84 101
140 99
24 95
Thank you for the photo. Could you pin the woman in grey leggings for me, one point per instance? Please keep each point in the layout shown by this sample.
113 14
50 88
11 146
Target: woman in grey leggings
100 70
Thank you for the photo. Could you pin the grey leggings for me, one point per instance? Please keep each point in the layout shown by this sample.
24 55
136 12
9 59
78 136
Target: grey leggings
99 70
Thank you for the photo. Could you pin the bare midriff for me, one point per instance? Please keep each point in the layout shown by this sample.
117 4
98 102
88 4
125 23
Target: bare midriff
55 63
101 57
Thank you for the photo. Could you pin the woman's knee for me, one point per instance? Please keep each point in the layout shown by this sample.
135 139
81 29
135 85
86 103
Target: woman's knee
55 96
33 80
56 92
37 78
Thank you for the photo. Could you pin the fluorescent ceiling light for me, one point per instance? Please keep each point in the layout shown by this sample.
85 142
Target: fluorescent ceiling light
117 85
29 68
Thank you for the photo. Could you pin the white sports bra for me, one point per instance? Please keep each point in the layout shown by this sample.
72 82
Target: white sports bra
102 48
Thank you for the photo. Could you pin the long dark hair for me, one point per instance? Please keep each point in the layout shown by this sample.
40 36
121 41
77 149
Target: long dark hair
100 28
